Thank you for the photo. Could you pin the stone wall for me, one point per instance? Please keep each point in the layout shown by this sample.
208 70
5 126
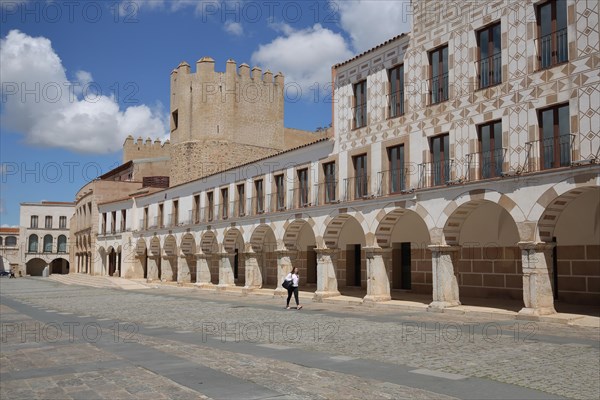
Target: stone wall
490 272
140 149
199 159
579 274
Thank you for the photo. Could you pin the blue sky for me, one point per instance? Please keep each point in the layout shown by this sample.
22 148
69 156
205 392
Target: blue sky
79 76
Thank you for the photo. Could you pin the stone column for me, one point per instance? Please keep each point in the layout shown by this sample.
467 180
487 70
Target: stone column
253 275
445 285
226 278
536 258
378 284
326 281
166 270
203 276
183 269
152 269
284 267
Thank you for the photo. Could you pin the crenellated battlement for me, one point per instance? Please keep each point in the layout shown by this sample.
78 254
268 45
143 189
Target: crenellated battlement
205 69
135 149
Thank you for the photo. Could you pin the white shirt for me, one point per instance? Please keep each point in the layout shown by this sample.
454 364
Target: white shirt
294 278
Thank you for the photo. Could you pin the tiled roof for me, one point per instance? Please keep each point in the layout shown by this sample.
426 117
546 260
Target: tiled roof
370 50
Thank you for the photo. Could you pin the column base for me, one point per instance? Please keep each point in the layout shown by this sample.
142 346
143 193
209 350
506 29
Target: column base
249 289
204 285
280 292
224 287
438 306
536 312
370 298
319 296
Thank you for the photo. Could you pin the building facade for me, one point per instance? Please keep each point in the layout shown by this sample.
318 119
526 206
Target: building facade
44 237
10 256
463 165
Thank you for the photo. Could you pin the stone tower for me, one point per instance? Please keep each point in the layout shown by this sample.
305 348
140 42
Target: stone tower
219 120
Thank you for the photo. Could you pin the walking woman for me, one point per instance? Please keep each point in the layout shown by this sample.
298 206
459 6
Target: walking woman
293 288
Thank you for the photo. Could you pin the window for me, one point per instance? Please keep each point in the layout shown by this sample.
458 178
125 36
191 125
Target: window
555 140
123 220
103 223
62 222
113 222
175 119
489 65
33 243
241 195
48 244
360 176
552 33
160 220
62 244
34 221
491 154
440 159
303 187
196 209
175 213
10 241
280 192
224 203
360 104
396 96
145 222
396 165
438 86
210 206
48 222
330 182
259 204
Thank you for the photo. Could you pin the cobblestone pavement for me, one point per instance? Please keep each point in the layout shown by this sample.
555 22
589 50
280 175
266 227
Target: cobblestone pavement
160 343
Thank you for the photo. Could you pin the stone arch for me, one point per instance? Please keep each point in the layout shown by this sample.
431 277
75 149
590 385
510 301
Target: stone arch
387 223
208 243
188 244
335 226
259 234
232 239
59 266
408 205
140 247
35 267
555 200
293 230
170 246
155 246
458 210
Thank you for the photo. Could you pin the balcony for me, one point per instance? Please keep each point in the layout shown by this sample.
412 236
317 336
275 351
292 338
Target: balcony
396 104
548 153
392 181
438 89
356 187
300 198
489 71
326 193
486 164
436 173
172 220
207 214
258 205
552 49
239 207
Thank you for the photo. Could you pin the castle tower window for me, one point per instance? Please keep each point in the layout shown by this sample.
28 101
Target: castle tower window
175 119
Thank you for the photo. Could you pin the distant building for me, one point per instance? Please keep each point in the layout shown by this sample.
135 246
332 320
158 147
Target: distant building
44 237
10 257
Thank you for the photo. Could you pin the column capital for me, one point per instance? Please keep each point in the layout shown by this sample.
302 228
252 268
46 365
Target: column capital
225 254
203 255
443 248
373 250
537 246
326 250
284 252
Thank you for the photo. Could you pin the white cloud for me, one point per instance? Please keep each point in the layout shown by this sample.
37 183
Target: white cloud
234 28
54 117
200 6
370 22
304 56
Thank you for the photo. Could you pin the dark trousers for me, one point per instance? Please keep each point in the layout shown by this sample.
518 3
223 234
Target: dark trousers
295 291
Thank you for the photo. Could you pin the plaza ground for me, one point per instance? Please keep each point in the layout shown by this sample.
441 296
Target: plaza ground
63 341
